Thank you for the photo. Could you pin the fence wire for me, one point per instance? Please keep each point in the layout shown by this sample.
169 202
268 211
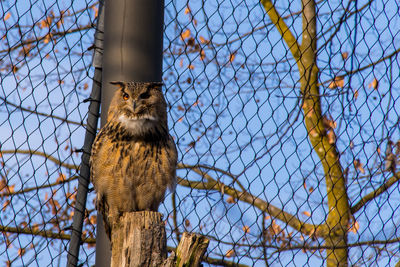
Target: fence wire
278 165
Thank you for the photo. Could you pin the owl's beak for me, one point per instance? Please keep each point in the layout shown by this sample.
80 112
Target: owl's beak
134 105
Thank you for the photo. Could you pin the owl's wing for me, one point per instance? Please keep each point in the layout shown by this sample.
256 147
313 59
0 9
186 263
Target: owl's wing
173 158
103 208
101 203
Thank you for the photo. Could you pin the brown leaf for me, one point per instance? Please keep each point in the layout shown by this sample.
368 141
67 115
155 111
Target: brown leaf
203 40
374 84
337 82
15 69
187 10
185 34
354 227
96 11
230 253
6 203
93 219
21 252
7 16
358 165
11 188
47 38
345 55
355 94
202 54
187 223
232 57
230 200
246 229
307 213
351 144
61 178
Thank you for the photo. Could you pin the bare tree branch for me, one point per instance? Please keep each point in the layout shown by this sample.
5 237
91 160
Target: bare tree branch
372 195
39 153
41 113
307 229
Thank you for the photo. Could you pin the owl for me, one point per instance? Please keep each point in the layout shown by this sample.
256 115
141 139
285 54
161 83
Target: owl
133 159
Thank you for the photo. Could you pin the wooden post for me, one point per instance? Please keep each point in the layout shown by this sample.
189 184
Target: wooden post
191 250
139 240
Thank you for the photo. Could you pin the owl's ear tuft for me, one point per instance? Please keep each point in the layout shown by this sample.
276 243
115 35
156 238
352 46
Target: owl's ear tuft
119 84
156 85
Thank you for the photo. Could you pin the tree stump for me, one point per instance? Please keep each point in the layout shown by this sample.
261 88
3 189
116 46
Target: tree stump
191 250
139 240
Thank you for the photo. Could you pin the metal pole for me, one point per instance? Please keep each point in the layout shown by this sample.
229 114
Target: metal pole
133 38
84 170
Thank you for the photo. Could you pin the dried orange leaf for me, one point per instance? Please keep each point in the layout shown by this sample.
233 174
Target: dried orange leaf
354 228
337 82
191 67
6 203
232 57
61 178
187 223
7 16
358 165
246 229
185 34
374 84
202 40
230 200
187 10
307 213
356 94
202 54
47 38
21 252
345 55
93 219
230 253
96 11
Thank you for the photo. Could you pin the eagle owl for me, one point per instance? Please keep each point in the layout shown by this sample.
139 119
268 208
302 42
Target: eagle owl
133 158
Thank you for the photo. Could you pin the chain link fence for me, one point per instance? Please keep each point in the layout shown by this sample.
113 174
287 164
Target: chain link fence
285 115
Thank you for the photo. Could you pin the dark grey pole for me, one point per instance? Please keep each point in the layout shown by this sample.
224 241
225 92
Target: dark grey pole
133 38
91 129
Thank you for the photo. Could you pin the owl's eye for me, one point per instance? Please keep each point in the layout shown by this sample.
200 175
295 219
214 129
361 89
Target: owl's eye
125 96
144 95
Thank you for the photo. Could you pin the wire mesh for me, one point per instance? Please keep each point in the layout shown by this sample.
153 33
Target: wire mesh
278 165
